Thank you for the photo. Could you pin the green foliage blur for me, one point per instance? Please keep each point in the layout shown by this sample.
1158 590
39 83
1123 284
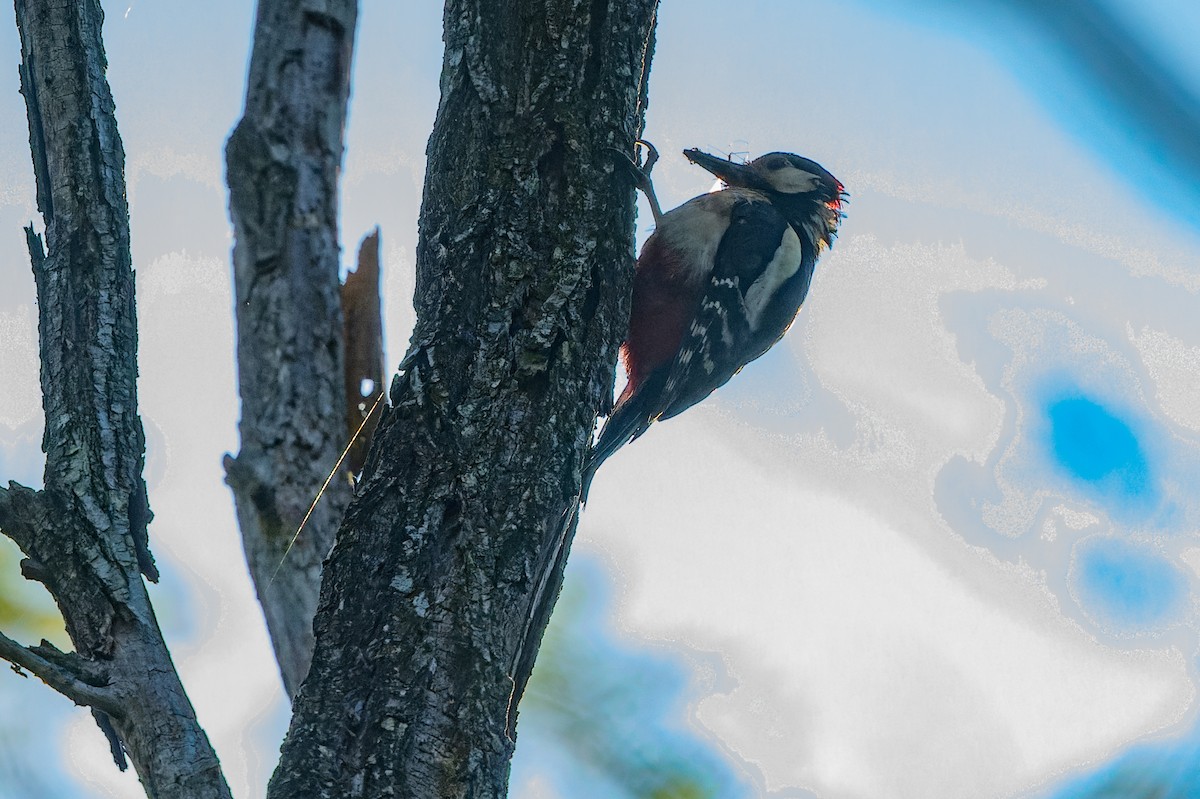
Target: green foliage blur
27 613
605 717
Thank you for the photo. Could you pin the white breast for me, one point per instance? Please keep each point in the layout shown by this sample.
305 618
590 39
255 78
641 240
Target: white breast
694 229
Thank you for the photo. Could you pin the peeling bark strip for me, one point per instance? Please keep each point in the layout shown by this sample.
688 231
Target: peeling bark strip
363 325
523 276
84 535
283 160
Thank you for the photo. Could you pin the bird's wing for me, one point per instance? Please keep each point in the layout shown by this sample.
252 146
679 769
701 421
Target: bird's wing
723 325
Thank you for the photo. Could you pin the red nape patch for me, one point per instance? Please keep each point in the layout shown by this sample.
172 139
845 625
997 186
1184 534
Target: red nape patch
664 302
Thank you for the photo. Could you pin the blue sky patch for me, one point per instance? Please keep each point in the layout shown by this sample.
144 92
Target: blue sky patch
1094 445
1127 585
1101 453
1162 769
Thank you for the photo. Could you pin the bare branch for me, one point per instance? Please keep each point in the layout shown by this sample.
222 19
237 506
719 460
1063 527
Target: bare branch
64 674
21 514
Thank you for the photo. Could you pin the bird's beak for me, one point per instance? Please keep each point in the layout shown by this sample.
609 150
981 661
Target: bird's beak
731 172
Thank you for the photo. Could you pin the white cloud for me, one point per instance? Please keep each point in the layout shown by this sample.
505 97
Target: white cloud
861 644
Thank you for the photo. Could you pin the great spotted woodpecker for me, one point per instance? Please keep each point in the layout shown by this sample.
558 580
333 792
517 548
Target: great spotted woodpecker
718 282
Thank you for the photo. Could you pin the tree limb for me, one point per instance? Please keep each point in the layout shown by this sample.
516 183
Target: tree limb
56 673
21 513
283 160
86 533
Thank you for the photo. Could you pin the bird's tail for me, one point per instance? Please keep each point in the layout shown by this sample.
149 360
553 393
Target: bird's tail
545 594
633 414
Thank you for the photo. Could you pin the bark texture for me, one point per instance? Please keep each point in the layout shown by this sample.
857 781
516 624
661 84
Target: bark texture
85 533
523 275
282 167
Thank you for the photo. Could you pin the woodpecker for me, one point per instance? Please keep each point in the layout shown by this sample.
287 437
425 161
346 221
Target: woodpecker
717 284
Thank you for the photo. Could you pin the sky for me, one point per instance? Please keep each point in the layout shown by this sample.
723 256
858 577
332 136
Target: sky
941 541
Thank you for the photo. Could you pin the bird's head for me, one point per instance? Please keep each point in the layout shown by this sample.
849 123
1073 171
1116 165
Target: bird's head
802 189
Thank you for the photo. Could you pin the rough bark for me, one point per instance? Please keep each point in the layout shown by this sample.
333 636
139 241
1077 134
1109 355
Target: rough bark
85 533
283 161
523 274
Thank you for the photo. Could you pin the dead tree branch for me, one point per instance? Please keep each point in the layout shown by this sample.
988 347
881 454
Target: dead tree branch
85 533
282 163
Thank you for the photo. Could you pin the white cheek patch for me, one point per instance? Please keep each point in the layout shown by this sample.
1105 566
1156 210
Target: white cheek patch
790 180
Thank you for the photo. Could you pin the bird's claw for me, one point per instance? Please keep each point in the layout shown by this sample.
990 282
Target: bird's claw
641 173
651 156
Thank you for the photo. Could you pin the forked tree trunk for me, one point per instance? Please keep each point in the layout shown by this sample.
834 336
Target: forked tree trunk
523 274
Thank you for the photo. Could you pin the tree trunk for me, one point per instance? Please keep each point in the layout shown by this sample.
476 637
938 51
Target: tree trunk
85 533
283 161
467 501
